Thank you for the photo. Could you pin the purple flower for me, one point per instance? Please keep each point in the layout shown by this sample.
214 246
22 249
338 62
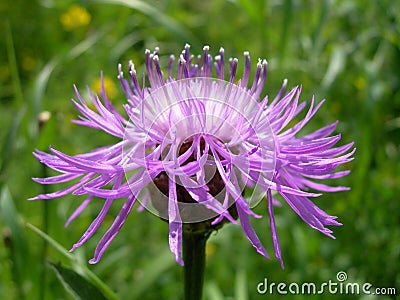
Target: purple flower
194 143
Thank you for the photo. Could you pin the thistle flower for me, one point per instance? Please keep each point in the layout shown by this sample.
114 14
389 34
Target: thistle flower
193 143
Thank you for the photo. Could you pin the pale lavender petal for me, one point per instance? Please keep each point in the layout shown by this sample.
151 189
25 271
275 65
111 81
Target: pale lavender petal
113 230
275 239
94 226
78 211
249 231
56 179
63 192
175 224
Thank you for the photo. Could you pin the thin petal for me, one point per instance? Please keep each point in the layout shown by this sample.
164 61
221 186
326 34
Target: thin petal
113 230
78 211
249 231
175 223
275 239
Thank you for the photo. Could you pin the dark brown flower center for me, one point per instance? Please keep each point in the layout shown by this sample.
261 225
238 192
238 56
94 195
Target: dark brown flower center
214 183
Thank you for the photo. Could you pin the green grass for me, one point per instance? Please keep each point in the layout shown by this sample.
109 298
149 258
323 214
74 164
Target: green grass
347 52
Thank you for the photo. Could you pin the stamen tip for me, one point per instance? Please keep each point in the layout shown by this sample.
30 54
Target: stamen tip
132 69
182 59
120 73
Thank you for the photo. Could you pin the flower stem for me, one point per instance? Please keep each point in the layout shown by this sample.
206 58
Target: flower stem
194 257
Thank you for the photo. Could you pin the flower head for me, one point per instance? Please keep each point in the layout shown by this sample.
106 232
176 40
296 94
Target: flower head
193 141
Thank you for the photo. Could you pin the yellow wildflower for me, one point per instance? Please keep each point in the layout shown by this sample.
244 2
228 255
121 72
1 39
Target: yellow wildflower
108 85
76 17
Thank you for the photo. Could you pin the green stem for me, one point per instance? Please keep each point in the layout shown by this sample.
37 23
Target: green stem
194 257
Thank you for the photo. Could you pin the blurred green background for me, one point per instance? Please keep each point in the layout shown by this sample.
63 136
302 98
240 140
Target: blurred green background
345 51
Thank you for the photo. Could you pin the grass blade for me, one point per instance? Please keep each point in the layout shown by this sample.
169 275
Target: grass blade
12 61
213 291
7 148
44 75
151 272
21 265
241 292
96 281
159 17
75 284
